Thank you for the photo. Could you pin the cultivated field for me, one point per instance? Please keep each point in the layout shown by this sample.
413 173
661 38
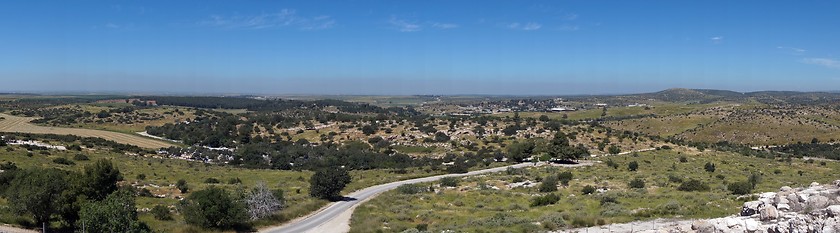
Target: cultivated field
21 125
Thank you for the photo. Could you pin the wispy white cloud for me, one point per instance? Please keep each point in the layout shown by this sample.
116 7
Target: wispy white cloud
792 49
403 25
283 18
717 39
570 16
826 62
445 25
112 26
525 27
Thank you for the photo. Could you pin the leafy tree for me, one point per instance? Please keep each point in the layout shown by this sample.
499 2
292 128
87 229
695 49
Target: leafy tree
441 137
161 212
614 150
99 179
213 208
709 167
633 166
520 151
261 202
182 186
559 148
117 213
544 118
549 184
637 183
327 183
37 192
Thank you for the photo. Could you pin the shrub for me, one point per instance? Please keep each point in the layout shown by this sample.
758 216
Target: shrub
740 188
549 184
411 189
637 183
674 179
234 181
633 166
565 177
612 164
182 186
80 157
211 180
63 161
549 199
161 212
683 159
141 176
588 189
449 181
693 185
709 167
213 208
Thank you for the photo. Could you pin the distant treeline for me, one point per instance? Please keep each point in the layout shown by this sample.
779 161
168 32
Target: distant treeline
275 105
74 141
822 150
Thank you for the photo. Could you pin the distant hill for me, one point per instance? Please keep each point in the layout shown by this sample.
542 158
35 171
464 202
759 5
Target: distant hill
710 95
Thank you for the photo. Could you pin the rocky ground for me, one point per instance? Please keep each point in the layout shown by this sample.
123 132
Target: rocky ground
795 210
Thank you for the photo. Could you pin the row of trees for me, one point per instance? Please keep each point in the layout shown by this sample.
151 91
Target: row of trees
558 148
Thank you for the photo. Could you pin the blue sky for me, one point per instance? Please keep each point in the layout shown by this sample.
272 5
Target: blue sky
418 47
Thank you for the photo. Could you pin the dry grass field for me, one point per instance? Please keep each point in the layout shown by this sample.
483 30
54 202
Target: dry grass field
21 125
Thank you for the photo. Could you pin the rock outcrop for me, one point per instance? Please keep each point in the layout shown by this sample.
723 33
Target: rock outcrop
805 210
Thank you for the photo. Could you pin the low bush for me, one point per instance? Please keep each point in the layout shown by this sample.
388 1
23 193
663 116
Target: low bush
636 183
449 182
549 199
693 185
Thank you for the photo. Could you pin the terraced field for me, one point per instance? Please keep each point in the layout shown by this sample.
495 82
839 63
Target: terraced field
21 125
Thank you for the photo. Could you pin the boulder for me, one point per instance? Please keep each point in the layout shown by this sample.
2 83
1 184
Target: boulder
833 211
785 189
768 212
750 208
814 184
781 227
751 225
817 202
732 222
831 225
783 207
703 226
837 183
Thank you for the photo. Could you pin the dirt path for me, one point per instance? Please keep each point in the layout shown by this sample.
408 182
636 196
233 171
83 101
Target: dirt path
656 225
18 124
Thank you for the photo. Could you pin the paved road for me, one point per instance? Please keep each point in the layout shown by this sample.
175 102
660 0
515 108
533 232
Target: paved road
336 209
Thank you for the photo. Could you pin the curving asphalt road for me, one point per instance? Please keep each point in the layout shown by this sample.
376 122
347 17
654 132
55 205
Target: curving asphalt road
329 214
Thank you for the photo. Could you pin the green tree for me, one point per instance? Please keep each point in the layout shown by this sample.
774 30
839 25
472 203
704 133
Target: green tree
213 208
117 213
520 151
99 179
614 150
633 166
182 186
636 183
559 148
327 183
565 177
37 192
709 167
549 184
161 212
